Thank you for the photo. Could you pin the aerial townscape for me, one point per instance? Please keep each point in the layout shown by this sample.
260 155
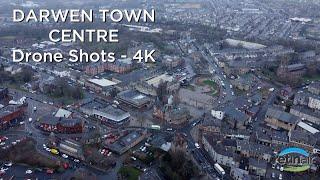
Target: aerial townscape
234 93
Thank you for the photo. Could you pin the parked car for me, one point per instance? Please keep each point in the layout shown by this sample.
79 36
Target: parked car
29 171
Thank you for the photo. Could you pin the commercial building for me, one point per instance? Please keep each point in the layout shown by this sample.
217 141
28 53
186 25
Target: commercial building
71 148
254 150
100 85
61 125
172 61
174 115
306 113
314 88
11 114
220 153
149 86
236 118
257 167
278 119
304 140
291 72
134 99
111 115
119 66
127 141
239 174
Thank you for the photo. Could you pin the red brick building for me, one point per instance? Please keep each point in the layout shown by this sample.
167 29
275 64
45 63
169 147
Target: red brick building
119 66
61 125
11 114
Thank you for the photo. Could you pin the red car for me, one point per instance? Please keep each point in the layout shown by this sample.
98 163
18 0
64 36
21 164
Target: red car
65 165
3 138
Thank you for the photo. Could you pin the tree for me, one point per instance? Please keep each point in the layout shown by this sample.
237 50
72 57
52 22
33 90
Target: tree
24 76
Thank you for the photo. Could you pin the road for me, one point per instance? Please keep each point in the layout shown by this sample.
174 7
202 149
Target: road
218 73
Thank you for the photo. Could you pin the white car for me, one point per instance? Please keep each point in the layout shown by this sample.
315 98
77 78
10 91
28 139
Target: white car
9 164
280 176
21 123
109 154
30 119
29 171
76 160
2 144
65 156
143 149
48 149
271 89
197 145
281 168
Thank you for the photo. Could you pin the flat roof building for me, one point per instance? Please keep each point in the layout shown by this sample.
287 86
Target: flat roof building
111 115
134 99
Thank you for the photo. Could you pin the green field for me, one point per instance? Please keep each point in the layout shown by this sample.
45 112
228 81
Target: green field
7 37
129 173
213 86
297 169
313 78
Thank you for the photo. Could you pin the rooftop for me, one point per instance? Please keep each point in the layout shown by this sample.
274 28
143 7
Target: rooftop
102 82
258 163
302 137
60 120
133 97
155 81
63 113
112 113
281 115
308 128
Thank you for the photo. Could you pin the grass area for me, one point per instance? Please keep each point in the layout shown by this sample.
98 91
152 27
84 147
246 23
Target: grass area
64 100
7 37
312 78
15 86
129 173
25 153
213 86
297 169
191 88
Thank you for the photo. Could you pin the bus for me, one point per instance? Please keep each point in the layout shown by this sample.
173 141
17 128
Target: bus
220 170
